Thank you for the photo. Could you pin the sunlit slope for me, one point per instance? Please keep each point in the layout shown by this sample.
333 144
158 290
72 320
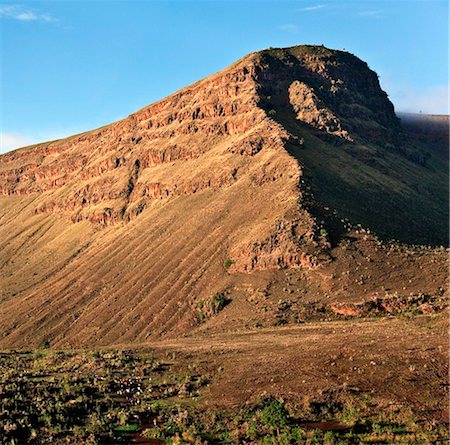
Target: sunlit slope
130 281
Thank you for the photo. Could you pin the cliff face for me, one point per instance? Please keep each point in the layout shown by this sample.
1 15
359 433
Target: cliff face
139 216
113 173
331 91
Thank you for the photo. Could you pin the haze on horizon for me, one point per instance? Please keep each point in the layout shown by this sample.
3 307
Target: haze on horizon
68 67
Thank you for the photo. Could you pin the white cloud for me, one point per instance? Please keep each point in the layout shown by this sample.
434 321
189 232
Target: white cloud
290 28
10 141
19 12
376 13
432 100
311 8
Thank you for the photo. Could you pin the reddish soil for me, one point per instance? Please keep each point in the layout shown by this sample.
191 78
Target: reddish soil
401 360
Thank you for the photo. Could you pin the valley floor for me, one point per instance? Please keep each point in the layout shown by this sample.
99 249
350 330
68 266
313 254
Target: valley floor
357 380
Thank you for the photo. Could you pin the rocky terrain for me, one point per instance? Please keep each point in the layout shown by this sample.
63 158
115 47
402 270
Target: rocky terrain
281 191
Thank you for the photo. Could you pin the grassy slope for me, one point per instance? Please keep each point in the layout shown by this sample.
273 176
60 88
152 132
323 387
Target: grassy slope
77 284
133 280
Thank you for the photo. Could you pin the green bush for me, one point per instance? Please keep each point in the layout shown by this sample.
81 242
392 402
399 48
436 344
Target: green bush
227 264
275 415
212 306
217 303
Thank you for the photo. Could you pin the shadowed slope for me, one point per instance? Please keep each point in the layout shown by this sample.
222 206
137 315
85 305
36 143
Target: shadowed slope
356 156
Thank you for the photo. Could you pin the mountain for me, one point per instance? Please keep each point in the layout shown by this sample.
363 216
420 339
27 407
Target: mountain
288 167
430 129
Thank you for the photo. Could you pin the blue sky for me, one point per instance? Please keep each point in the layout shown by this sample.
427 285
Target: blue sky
71 66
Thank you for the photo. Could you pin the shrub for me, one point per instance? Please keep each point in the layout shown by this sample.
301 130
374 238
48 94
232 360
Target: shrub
272 112
212 306
227 264
217 303
275 415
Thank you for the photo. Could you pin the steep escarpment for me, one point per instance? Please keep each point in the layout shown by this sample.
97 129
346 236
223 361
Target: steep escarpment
206 137
116 234
118 165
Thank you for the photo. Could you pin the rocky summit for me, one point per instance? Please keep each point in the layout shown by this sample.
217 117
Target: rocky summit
191 214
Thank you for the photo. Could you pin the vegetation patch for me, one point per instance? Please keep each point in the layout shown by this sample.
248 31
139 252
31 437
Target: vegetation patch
297 311
75 397
227 264
211 306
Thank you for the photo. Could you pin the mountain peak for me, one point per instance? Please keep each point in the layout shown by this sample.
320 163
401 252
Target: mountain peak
300 51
